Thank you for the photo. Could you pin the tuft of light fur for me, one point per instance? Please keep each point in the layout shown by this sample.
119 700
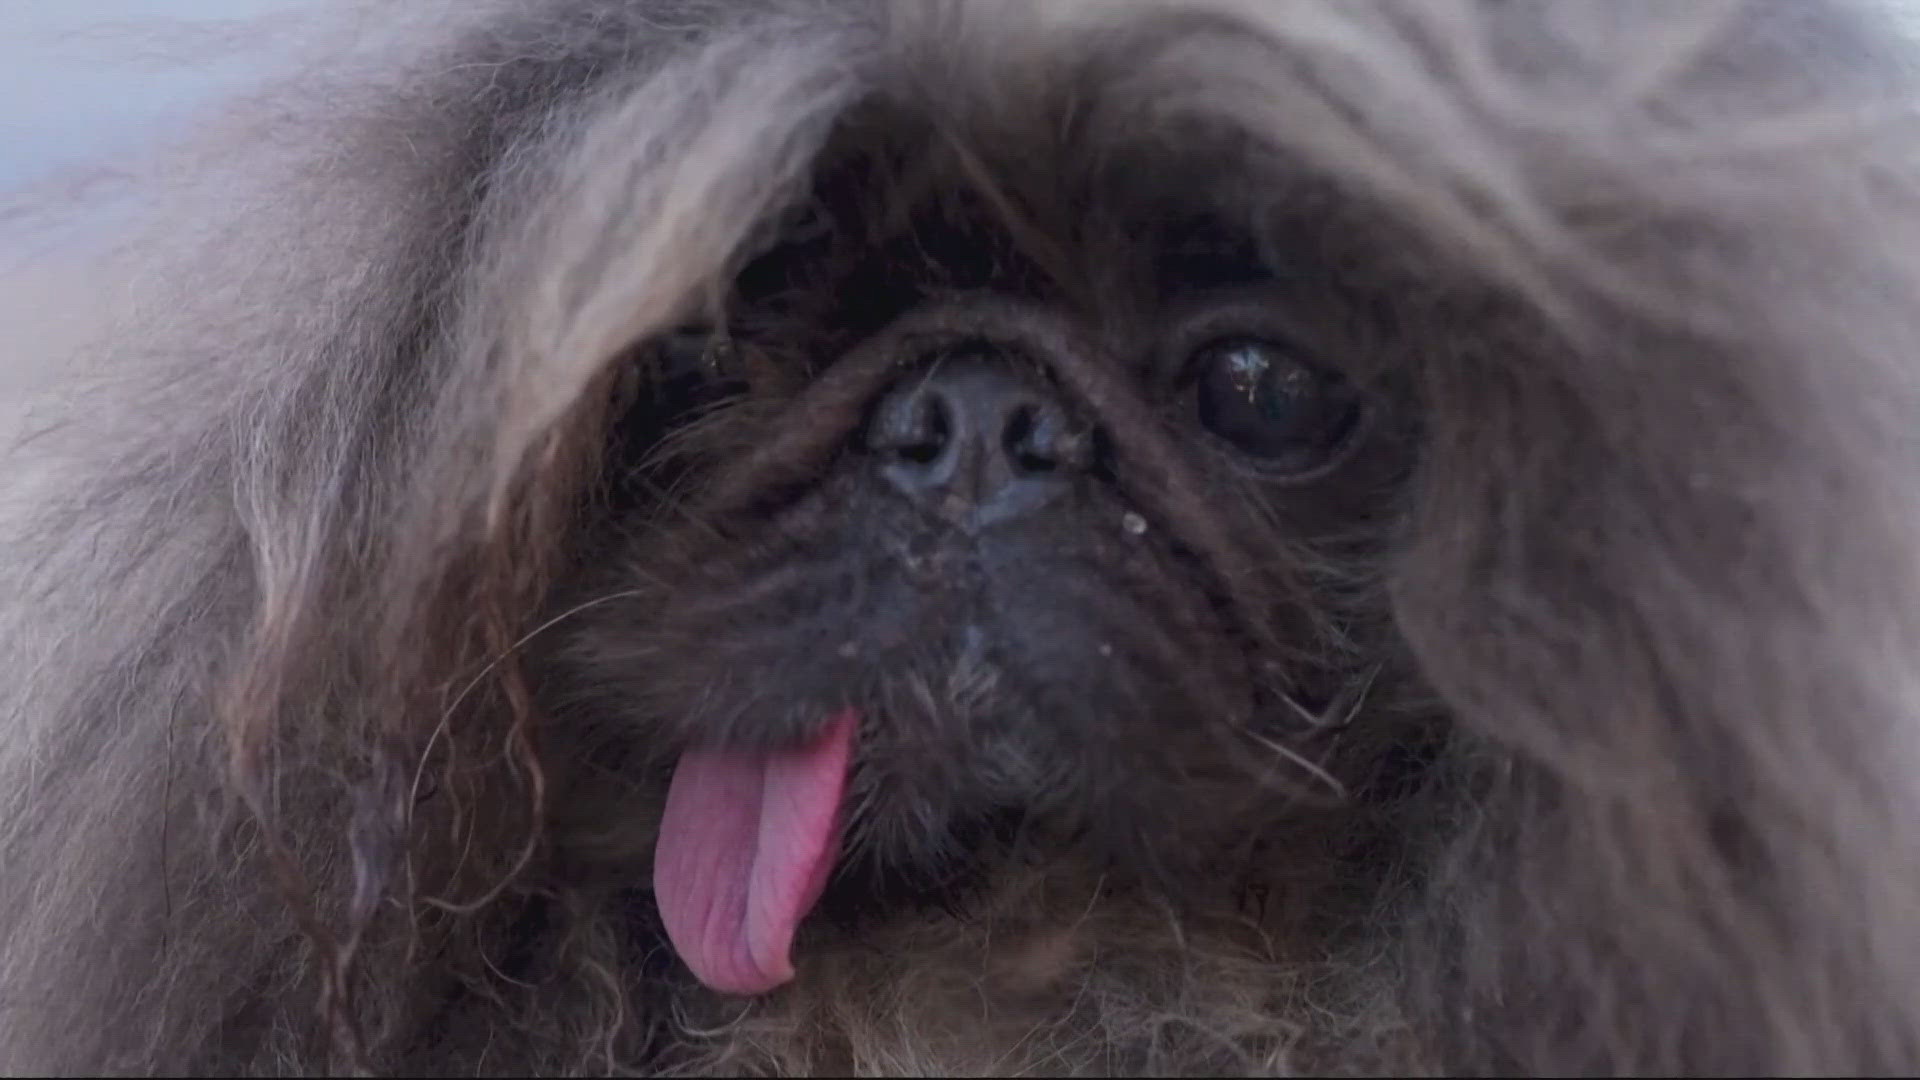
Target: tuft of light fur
266 763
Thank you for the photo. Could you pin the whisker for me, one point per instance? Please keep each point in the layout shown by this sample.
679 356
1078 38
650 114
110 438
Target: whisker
1321 720
1309 766
447 716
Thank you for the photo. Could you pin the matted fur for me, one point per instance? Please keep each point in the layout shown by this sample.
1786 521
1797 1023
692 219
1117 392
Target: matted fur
273 781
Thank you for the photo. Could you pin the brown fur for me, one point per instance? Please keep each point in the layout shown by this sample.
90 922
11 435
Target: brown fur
278 788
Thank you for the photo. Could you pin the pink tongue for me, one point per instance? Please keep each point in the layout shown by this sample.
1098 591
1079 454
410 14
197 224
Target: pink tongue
745 848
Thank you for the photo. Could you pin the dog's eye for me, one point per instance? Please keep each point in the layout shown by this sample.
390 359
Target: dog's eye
1286 416
676 377
694 353
695 365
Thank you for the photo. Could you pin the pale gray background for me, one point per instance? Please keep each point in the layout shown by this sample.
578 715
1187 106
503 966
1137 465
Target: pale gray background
73 84
80 82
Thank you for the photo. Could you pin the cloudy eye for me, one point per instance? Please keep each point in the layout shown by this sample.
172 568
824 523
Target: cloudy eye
1287 416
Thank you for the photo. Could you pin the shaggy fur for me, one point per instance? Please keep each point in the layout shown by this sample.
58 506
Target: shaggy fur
302 578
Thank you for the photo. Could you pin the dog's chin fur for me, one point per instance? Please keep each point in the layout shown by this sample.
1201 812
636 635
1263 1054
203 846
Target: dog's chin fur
292 776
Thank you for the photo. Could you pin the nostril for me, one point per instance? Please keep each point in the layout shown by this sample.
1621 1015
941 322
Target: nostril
1041 439
920 431
920 453
1024 442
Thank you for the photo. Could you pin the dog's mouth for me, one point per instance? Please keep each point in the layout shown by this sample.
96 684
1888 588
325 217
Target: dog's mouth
952 701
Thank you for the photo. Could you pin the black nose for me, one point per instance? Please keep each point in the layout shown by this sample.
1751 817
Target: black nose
976 442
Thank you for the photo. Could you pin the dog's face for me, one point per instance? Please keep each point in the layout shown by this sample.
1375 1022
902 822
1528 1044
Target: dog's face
1003 547
1185 537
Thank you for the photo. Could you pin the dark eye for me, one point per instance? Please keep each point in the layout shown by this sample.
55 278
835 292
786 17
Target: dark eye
676 377
695 354
1288 416
694 366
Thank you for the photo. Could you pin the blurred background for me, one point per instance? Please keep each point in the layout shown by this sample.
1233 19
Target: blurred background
80 82
79 78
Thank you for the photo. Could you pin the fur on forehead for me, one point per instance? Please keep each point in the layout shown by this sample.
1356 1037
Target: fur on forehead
1427 116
